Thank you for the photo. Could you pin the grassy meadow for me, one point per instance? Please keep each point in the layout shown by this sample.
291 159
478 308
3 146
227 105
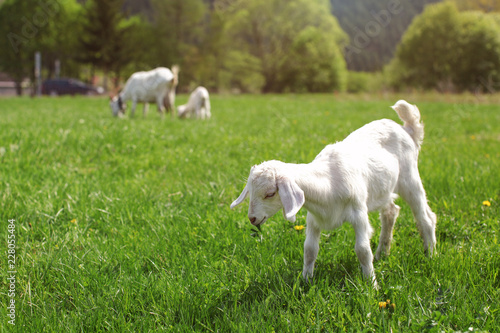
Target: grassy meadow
124 225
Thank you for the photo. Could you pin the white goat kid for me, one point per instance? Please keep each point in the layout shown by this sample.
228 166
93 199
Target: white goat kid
145 87
198 104
345 181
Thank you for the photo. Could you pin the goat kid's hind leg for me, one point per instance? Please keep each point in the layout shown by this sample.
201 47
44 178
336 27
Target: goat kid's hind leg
161 108
414 195
207 109
145 109
311 247
363 232
388 216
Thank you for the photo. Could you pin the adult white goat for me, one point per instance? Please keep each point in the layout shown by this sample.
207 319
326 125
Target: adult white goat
147 87
198 104
345 181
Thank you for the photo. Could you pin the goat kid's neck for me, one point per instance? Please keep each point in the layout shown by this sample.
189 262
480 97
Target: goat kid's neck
313 180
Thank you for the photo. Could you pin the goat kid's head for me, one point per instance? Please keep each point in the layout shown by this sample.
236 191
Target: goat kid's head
271 188
181 111
117 106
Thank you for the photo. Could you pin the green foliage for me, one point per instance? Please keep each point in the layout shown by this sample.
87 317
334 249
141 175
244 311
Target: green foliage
124 225
428 48
178 28
482 5
293 40
16 52
30 26
478 54
105 39
139 36
314 63
241 71
449 50
358 82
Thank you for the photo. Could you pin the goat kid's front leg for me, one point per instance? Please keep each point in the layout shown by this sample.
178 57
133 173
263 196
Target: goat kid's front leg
134 105
198 112
311 248
363 232
145 109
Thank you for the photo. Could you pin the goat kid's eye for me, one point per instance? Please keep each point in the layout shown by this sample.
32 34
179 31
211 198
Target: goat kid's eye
270 195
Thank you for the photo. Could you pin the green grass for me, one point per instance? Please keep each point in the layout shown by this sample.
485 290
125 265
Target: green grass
124 224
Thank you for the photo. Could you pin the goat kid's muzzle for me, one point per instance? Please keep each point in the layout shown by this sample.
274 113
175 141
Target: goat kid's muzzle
255 222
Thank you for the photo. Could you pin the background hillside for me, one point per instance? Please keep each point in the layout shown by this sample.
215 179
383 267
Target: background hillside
376 43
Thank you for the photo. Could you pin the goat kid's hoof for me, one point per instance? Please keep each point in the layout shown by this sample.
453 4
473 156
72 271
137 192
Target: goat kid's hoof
307 278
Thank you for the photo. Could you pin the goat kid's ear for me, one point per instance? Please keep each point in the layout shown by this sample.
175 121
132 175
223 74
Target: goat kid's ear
292 197
240 199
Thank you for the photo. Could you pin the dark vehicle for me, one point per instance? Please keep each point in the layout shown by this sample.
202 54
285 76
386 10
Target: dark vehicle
57 87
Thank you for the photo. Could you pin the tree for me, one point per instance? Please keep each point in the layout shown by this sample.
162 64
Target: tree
16 50
477 61
61 43
315 63
482 5
271 32
31 25
448 50
179 27
104 40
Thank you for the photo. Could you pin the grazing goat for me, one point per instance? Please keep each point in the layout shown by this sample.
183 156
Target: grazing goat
344 182
146 87
198 104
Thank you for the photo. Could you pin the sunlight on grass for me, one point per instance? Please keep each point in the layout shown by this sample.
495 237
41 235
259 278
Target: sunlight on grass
124 224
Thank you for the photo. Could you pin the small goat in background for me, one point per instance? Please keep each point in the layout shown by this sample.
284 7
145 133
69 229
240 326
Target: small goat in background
197 105
345 182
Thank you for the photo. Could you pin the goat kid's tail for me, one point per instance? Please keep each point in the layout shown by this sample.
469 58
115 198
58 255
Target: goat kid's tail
175 71
410 115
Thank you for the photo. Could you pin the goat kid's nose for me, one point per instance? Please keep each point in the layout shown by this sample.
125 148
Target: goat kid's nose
252 219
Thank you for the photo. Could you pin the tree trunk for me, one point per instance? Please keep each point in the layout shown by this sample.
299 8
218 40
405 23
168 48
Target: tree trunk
105 80
19 88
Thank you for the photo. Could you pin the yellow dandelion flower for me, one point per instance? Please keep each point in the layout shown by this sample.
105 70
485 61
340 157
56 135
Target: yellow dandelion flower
486 203
473 137
382 305
73 221
299 227
393 306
